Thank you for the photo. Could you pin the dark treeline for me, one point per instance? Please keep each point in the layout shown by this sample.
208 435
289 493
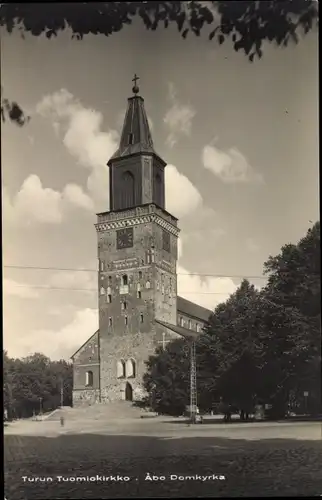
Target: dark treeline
260 347
32 385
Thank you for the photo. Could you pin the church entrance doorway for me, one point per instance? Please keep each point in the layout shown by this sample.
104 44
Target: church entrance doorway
128 392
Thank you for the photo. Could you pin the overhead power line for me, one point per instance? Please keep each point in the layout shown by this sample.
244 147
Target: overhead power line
211 275
94 290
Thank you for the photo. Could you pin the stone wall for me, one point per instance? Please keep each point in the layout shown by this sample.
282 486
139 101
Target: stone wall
85 397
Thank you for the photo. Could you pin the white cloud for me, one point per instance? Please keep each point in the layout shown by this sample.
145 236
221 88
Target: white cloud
77 279
35 203
15 289
229 166
178 118
181 196
56 344
77 197
207 291
84 139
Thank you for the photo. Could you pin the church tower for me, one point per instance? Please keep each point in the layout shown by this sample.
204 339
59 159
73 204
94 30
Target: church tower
137 254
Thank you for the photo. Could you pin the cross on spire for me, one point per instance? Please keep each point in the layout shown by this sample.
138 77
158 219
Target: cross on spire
135 88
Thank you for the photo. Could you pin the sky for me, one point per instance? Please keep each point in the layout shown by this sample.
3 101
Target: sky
240 140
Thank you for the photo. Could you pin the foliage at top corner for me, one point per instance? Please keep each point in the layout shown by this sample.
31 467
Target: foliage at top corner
245 23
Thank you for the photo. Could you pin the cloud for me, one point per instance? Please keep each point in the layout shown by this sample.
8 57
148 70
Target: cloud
55 343
84 138
229 166
207 291
178 118
77 279
77 197
37 204
189 198
15 289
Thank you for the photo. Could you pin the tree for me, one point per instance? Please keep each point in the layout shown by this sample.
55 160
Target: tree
33 384
294 284
167 378
244 23
259 345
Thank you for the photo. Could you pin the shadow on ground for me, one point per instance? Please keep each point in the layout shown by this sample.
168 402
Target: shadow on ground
269 467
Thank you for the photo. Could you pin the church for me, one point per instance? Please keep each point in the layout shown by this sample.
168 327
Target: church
139 309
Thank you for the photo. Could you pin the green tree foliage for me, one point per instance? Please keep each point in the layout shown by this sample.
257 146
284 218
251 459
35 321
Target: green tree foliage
246 24
258 345
33 384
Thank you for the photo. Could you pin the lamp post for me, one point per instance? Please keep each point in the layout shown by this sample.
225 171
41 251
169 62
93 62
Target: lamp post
193 382
61 393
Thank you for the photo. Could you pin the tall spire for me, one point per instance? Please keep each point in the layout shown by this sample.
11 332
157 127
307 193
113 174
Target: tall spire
136 136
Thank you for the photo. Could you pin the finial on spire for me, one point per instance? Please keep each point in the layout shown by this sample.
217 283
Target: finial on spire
135 88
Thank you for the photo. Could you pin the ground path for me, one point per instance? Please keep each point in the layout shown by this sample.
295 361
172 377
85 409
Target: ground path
256 459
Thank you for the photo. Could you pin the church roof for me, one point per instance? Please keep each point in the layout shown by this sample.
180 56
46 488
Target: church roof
191 309
90 338
136 136
180 330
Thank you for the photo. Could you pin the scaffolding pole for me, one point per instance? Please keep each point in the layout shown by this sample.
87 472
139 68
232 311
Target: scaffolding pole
193 382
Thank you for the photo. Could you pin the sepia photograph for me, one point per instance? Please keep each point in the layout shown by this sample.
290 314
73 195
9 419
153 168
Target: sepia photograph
161 249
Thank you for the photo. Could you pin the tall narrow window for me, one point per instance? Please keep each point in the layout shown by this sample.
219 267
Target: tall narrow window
89 379
139 294
110 321
110 280
141 318
124 305
140 275
131 138
181 321
189 324
120 368
127 194
125 320
125 280
109 298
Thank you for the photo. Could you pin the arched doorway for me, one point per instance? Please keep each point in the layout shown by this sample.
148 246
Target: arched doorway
128 392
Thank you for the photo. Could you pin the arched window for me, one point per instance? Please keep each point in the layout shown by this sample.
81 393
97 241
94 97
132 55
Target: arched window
120 368
141 318
89 379
158 189
124 305
148 284
181 321
125 280
125 320
139 294
128 190
110 321
130 368
189 324
102 290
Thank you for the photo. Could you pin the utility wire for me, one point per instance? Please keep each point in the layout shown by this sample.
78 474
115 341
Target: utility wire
239 276
92 290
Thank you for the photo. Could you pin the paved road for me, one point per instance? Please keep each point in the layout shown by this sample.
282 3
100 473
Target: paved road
256 460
